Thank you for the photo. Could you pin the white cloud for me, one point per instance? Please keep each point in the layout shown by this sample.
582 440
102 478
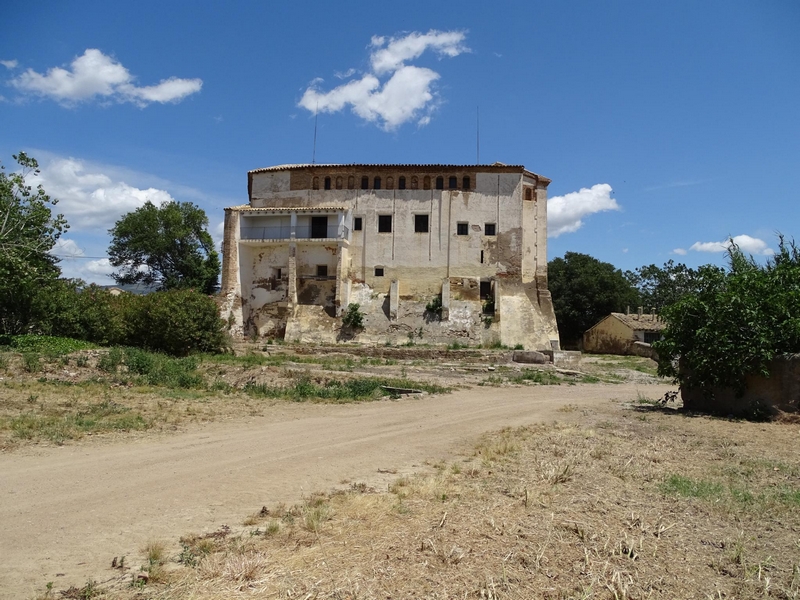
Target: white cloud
67 248
747 244
398 50
9 64
565 213
679 251
94 74
407 95
91 200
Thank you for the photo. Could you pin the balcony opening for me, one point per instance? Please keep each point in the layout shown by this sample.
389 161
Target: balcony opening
319 227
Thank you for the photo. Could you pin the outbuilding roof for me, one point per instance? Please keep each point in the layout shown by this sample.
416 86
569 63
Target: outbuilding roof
645 322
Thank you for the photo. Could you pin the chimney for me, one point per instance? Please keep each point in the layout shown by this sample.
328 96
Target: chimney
639 312
627 310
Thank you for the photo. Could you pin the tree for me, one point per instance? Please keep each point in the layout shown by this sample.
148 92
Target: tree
661 286
584 291
28 231
168 246
735 323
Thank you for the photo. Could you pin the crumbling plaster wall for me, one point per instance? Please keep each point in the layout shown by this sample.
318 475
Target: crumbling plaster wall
609 336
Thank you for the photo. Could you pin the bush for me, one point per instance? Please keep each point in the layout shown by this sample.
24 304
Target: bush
735 324
353 317
177 322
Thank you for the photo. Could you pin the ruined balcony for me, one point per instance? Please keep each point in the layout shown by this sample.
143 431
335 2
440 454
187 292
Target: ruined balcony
304 233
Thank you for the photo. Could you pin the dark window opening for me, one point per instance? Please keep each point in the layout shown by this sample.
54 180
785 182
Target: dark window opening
327 183
490 229
466 183
462 228
440 183
420 223
319 227
487 296
384 223
481 256
401 183
651 336
378 271
322 270
377 184
528 194
357 224
277 273
365 183
452 182
426 183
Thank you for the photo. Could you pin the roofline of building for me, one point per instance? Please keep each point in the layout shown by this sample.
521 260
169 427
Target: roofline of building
496 167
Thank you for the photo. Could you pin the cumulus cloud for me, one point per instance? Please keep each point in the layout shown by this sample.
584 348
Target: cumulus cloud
96 75
565 213
680 251
9 64
90 199
747 244
65 248
406 93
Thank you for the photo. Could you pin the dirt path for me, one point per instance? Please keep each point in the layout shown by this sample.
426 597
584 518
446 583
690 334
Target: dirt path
65 512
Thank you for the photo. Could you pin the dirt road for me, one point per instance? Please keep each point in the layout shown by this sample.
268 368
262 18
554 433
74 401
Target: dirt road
66 512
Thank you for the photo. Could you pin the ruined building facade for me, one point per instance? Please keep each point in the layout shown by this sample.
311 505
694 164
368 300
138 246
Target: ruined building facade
400 241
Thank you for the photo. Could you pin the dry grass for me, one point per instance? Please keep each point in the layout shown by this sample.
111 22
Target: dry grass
618 503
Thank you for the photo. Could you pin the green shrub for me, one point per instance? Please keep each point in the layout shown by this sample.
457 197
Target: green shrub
46 344
110 361
353 318
735 323
434 307
177 322
31 362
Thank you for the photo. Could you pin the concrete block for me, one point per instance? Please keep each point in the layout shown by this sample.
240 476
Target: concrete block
530 357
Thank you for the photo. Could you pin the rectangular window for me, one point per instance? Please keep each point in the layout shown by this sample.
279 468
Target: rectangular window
462 228
378 271
357 224
277 273
384 223
420 223
322 270
490 229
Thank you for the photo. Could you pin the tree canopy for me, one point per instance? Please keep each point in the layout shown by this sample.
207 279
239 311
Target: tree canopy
28 231
734 323
167 246
661 286
585 290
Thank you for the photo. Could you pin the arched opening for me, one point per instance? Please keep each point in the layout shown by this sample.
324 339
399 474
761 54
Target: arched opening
390 183
426 182
351 182
376 185
466 183
401 183
327 183
365 183
315 183
452 182
414 183
440 183
338 183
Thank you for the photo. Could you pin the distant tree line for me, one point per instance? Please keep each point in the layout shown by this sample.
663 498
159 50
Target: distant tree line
168 247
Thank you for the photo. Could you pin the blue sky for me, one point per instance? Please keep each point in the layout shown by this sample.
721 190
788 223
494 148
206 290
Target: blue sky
665 126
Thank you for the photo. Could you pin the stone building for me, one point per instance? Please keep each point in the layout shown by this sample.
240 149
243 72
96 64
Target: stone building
400 241
624 333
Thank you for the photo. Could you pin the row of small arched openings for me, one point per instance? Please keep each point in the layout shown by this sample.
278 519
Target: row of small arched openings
403 183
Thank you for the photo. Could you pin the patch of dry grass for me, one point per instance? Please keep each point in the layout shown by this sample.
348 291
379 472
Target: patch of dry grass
600 506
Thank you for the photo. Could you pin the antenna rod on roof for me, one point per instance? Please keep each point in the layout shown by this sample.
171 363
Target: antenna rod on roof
478 131
314 152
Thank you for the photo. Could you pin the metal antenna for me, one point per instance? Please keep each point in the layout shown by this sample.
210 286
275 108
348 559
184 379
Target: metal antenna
478 131
314 152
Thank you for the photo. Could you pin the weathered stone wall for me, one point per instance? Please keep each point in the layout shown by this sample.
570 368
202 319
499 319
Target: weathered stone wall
762 397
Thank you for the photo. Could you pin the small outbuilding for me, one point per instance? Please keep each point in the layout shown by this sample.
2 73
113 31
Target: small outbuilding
621 333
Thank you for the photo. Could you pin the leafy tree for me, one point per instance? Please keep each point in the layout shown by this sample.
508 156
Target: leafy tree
168 246
734 323
28 231
661 286
584 291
